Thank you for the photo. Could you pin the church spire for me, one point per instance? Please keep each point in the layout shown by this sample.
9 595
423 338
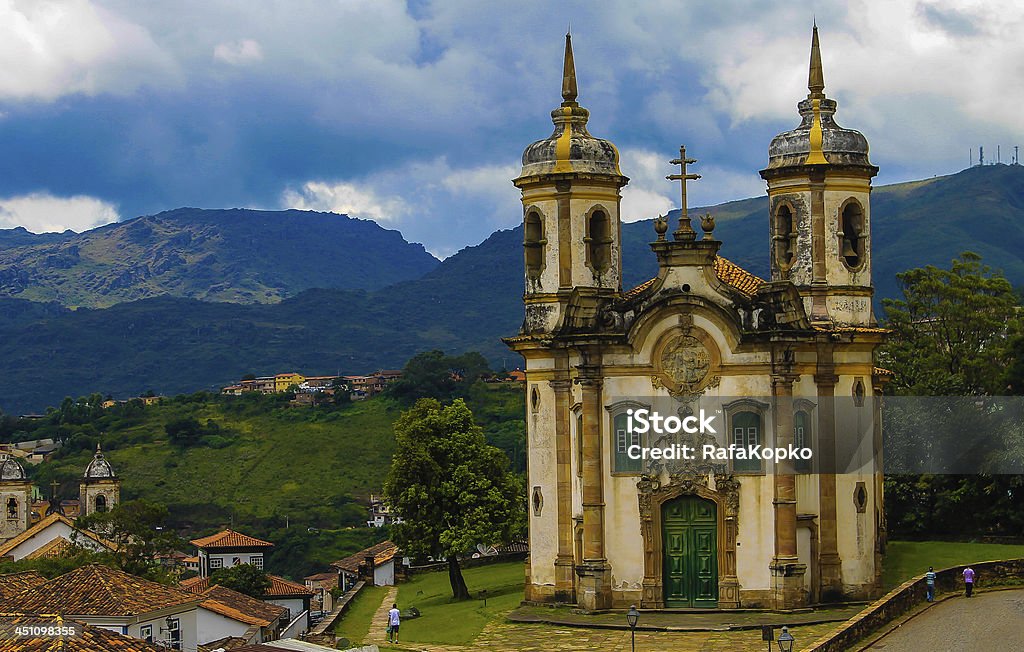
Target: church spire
569 90
816 77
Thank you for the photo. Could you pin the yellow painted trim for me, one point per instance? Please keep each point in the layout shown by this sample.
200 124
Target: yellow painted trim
816 156
562 145
583 194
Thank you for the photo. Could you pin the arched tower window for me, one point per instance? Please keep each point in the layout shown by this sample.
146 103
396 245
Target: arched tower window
599 241
851 235
785 237
101 503
533 243
12 508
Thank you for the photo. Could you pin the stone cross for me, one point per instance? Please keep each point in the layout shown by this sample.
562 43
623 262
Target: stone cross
685 230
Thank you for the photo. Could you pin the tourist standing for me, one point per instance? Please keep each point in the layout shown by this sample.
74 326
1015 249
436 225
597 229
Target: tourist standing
929 581
969 580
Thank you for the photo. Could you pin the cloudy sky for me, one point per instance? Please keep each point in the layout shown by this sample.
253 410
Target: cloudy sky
415 113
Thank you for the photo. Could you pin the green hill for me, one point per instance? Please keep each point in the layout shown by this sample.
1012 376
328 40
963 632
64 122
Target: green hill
237 255
467 302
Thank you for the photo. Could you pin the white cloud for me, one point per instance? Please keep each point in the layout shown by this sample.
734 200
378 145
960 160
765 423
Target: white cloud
50 48
648 194
44 213
351 199
238 53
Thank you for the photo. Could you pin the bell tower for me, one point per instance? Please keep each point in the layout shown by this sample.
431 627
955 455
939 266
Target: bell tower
570 186
15 498
819 195
100 489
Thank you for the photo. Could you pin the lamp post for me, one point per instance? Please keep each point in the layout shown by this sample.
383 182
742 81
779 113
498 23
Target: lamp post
786 641
631 617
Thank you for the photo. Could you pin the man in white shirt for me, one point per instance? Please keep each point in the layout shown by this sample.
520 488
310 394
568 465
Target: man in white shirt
393 621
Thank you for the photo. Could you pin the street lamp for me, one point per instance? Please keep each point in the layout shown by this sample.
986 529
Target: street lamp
631 617
786 641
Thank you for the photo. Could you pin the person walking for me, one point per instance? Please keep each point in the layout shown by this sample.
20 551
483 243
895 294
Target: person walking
929 581
969 580
394 620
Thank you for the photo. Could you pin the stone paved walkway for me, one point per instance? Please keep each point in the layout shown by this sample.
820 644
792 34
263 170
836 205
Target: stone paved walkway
378 626
987 621
519 637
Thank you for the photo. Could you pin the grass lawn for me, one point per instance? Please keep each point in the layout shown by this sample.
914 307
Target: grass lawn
355 624
906 559
458 623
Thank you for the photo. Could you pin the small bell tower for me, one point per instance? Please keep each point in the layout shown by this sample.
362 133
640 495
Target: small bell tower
819 194
572 237
100 488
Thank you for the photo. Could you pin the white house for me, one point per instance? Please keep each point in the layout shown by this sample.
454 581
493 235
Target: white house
225 613
52 536
229 548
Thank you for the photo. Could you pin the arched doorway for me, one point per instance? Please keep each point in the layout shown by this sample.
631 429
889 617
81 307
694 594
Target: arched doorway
689 527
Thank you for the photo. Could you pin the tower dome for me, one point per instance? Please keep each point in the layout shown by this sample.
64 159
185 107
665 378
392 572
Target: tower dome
10 469
818 139
570 148
99 467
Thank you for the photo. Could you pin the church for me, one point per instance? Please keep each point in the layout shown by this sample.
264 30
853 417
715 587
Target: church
783 362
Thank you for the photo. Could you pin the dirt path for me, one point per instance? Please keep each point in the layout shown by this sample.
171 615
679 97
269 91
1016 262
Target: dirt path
378 626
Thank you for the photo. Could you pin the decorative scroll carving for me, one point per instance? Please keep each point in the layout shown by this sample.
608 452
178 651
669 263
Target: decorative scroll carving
652 492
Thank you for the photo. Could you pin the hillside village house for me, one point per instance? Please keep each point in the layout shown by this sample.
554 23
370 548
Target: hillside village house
229 548
779 362
378 565
116 601
88 639
321 584
224 613
295 598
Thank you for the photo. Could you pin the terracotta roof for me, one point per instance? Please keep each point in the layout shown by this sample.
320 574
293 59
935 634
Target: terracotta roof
231 539
279 587
226 643
885 373
638 290
240 607
14 583
59 547
95 590
11 544
382 553
738 278
90 639
321 576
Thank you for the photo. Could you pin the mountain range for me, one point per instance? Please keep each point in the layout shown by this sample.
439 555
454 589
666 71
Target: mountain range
309 315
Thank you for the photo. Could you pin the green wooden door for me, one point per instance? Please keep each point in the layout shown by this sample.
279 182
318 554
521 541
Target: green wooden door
690 541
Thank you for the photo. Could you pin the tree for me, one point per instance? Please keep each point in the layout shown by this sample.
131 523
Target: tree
951 331
433 374
137 530
244 578
451 489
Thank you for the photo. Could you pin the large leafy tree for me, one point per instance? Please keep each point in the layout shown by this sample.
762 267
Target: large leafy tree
452 489
955 332
952 330
137 529
433 374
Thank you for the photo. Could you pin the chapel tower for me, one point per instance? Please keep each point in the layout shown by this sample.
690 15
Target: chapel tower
819 192
570 187
15 498
100 489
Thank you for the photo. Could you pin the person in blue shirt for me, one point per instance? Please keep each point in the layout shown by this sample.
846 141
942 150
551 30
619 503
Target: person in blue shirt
929 581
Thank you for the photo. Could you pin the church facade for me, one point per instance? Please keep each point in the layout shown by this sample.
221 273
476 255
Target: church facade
785 362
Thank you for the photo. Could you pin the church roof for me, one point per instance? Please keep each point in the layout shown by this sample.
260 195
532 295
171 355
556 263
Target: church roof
727 271
95 590
11 469
230 539
99 467
818 139
570 148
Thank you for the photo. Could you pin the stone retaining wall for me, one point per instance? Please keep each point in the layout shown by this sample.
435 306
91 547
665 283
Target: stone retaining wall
910 594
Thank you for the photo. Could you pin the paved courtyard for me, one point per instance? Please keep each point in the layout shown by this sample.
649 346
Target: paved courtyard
987 621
